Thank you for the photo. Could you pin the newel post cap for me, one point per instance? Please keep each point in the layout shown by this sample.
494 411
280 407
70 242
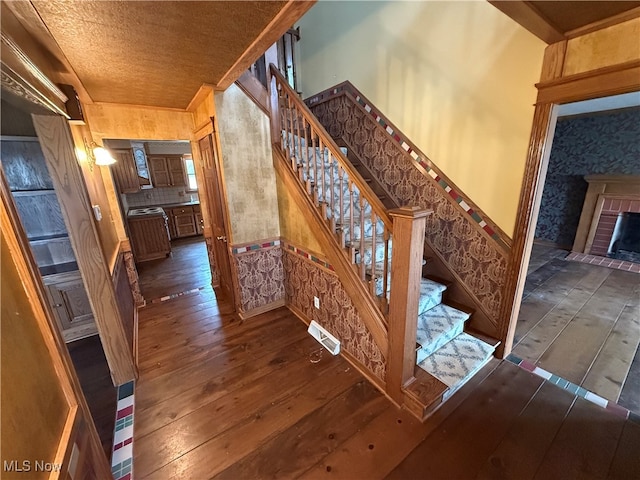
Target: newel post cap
410 212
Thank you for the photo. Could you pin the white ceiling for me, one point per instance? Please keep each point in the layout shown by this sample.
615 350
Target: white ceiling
603 104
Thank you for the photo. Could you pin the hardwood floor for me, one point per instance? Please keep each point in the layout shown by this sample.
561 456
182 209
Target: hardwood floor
185 269
582 323
222 398
91 366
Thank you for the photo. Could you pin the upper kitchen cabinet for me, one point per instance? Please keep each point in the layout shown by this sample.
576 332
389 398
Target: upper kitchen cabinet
167 171
125 173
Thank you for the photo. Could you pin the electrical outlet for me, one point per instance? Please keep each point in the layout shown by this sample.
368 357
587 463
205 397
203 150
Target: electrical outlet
316 302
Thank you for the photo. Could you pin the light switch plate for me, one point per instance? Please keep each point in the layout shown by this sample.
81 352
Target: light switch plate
316 302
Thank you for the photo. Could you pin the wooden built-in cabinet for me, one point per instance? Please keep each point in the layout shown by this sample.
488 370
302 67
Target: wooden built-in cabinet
167 171
185 221
199 222
149 237
68 297
125 173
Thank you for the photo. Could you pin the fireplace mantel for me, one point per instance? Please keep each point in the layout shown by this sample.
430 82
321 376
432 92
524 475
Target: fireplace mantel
625 188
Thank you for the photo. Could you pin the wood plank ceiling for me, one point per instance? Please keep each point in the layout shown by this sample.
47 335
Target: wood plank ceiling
154 53
553 21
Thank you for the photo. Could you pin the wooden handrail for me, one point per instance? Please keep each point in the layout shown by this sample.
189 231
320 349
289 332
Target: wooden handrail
330 144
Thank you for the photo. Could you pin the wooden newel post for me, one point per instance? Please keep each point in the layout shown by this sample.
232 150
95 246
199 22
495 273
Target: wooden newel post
406 271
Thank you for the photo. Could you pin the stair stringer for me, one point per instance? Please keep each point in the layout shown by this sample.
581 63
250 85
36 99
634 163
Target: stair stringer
457 292
369 311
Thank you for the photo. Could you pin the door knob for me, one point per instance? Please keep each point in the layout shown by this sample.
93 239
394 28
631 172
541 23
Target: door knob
222 237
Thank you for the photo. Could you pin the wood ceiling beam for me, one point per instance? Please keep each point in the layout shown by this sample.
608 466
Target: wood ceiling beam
530 18
289 14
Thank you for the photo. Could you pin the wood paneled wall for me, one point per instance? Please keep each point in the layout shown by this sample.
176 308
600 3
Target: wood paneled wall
45 417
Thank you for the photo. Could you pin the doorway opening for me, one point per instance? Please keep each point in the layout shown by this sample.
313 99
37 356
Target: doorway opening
160 205
580 318
33 196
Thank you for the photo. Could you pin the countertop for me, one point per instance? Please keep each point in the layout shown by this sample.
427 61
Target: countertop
165 205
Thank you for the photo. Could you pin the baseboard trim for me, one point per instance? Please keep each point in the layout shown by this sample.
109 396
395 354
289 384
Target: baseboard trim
263 309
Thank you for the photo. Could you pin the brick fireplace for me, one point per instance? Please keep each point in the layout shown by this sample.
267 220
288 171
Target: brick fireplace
606 197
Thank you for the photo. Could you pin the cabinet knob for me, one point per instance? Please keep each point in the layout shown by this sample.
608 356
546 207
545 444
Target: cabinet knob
58 305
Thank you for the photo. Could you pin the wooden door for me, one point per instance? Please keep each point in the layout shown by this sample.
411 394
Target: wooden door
70 304
216 205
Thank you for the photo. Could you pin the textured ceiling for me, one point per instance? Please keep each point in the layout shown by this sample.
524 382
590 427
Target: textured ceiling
153 53
569 15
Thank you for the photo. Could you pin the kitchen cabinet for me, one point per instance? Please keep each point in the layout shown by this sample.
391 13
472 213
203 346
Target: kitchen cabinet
199 222
184 221
125 172
149 237
70 305
167 171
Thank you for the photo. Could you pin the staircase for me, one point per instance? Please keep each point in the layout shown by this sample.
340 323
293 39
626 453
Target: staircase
356 213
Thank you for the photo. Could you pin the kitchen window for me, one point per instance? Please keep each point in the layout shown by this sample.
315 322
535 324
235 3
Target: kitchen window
190 168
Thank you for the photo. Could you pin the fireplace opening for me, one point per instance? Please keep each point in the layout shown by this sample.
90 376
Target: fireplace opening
625 242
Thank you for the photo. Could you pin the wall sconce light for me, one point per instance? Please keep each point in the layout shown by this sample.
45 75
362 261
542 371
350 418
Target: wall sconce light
97 155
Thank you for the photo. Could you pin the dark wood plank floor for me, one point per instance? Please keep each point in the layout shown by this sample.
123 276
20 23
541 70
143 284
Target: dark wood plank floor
223 398
582 322
91 366
187 268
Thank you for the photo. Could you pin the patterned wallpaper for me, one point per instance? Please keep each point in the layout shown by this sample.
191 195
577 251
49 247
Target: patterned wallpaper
305 279
478 260
599 144
260 275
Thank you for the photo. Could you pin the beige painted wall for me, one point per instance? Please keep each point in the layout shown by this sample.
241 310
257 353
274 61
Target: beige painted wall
293 226
456 77
245 142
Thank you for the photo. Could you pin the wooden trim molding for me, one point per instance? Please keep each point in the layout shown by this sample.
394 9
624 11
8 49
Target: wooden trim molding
612 79
260 310
603 82
58 148
290 14
250 85
530 18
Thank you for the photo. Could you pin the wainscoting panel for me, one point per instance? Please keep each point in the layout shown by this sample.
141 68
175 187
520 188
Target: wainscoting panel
260 274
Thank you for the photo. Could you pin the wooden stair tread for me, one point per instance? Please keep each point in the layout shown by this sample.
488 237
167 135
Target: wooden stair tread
460 306
424 394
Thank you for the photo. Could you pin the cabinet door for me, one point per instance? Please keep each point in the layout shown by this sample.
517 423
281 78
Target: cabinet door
176 171
159 171
149 238
124 171
199 223
185 225
71 305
